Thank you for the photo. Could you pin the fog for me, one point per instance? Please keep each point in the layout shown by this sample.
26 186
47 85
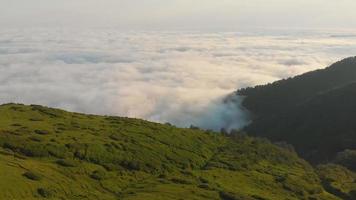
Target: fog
177 77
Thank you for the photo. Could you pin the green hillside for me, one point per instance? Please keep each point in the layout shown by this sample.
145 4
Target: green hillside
52 154
277 97
315 111
338 180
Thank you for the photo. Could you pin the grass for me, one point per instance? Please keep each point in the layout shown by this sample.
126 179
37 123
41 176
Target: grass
338 180
54 154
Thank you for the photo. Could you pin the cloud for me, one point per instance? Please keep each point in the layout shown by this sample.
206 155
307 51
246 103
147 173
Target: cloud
177 77
292 62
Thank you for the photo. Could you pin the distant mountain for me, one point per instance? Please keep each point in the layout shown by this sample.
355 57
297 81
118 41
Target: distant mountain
52 154
315 112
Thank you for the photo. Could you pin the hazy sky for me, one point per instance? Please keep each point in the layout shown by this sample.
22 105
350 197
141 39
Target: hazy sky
180 14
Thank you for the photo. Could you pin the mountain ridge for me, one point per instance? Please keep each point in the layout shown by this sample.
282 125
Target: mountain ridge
313 111
321 79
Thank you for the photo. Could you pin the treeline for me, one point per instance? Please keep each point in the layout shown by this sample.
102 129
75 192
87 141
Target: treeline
315 112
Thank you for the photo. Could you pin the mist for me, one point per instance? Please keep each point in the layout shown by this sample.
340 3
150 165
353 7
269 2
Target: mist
178 77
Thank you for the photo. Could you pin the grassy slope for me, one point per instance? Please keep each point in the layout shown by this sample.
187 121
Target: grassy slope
338 180
49 153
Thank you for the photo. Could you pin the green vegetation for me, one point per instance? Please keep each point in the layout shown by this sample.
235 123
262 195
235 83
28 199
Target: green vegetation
347 158
315 112
52 154
32 176
338 180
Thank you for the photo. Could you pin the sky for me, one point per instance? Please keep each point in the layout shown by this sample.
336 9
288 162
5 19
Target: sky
212 15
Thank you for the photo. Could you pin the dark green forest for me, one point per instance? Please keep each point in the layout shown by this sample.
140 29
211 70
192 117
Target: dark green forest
315 112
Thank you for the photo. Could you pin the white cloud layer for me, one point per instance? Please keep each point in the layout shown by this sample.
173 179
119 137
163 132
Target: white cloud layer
177 77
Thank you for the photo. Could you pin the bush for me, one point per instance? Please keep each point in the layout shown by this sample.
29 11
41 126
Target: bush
180 181
203 180
115 137
32 176
36 119
194 127
347 158
67 163
27 148
286 146
131 165
98 175
34 150
281 179
204 186
58 151
36 138
111 167
42 132
19 156
223 131
163 176
44 192
10 146
231 196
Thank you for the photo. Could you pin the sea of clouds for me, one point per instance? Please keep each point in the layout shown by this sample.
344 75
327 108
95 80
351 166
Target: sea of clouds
177 77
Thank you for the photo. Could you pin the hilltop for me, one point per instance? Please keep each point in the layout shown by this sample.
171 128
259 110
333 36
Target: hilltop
54 154
315 111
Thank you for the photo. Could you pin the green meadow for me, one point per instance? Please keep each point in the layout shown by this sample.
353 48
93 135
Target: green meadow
53 154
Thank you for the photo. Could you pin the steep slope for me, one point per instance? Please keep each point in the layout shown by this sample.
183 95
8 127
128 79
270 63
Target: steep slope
319 128
50 153
282 95
338 180
315 112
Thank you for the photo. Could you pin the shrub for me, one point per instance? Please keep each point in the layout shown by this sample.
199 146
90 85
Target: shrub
162 176
36 119
20 156
67 163
98 175
32 176
281 179
203 180
58 151
347 158
36 138
194 127
223 131
44 192
34 150
180 181
42 132
111 167
29 149
204 186
231 196
131 165
286 146
115 137
10 145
